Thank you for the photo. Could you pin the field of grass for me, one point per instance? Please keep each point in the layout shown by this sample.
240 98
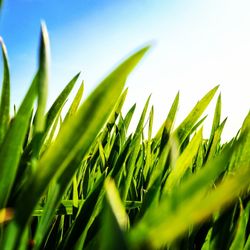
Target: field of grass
81 181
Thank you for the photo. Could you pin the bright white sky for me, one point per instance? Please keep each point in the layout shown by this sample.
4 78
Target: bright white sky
198 44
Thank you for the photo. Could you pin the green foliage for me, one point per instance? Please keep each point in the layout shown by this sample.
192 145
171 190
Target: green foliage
76 179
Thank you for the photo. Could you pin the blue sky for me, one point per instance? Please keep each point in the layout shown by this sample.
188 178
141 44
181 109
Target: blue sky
197 45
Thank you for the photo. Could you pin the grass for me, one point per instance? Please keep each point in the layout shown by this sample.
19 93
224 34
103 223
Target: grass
82 181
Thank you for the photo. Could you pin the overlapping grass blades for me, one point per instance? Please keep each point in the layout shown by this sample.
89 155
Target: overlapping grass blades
76 179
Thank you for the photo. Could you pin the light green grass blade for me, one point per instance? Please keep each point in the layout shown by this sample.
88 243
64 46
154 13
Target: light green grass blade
217 116
60 101
183 162
11 148
76 102
76 135
216 140
5 96
114 200
183 130
42 79
115 220
241 155
149 144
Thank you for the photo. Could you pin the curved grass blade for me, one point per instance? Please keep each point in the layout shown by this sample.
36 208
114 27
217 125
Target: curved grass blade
76 135
11 148
5 96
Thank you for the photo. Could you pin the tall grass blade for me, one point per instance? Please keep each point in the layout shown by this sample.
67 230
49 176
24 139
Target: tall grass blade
5 96
184 161
42 79
76 135
11 148
76 102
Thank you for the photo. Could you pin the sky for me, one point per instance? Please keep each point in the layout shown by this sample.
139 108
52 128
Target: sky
197 44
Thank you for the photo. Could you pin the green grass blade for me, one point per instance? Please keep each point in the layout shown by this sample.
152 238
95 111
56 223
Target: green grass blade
115 220
216 141
217 116
76 135
114 200
183 130
5 96
183 162
149 144
76 102
59 102
42 79
11 148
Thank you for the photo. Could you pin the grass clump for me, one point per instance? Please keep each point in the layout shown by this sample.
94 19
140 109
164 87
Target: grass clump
84 182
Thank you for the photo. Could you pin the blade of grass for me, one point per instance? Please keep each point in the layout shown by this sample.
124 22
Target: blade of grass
183 130
5 96
11 148
183 162
76 102
76 134
42 79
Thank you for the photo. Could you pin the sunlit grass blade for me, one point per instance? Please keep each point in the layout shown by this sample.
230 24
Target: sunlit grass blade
11 148
183 130
217 116
183 162
215 141
76 135
243 151
149 144
60 101
42 79
115 220
76 102
5 95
